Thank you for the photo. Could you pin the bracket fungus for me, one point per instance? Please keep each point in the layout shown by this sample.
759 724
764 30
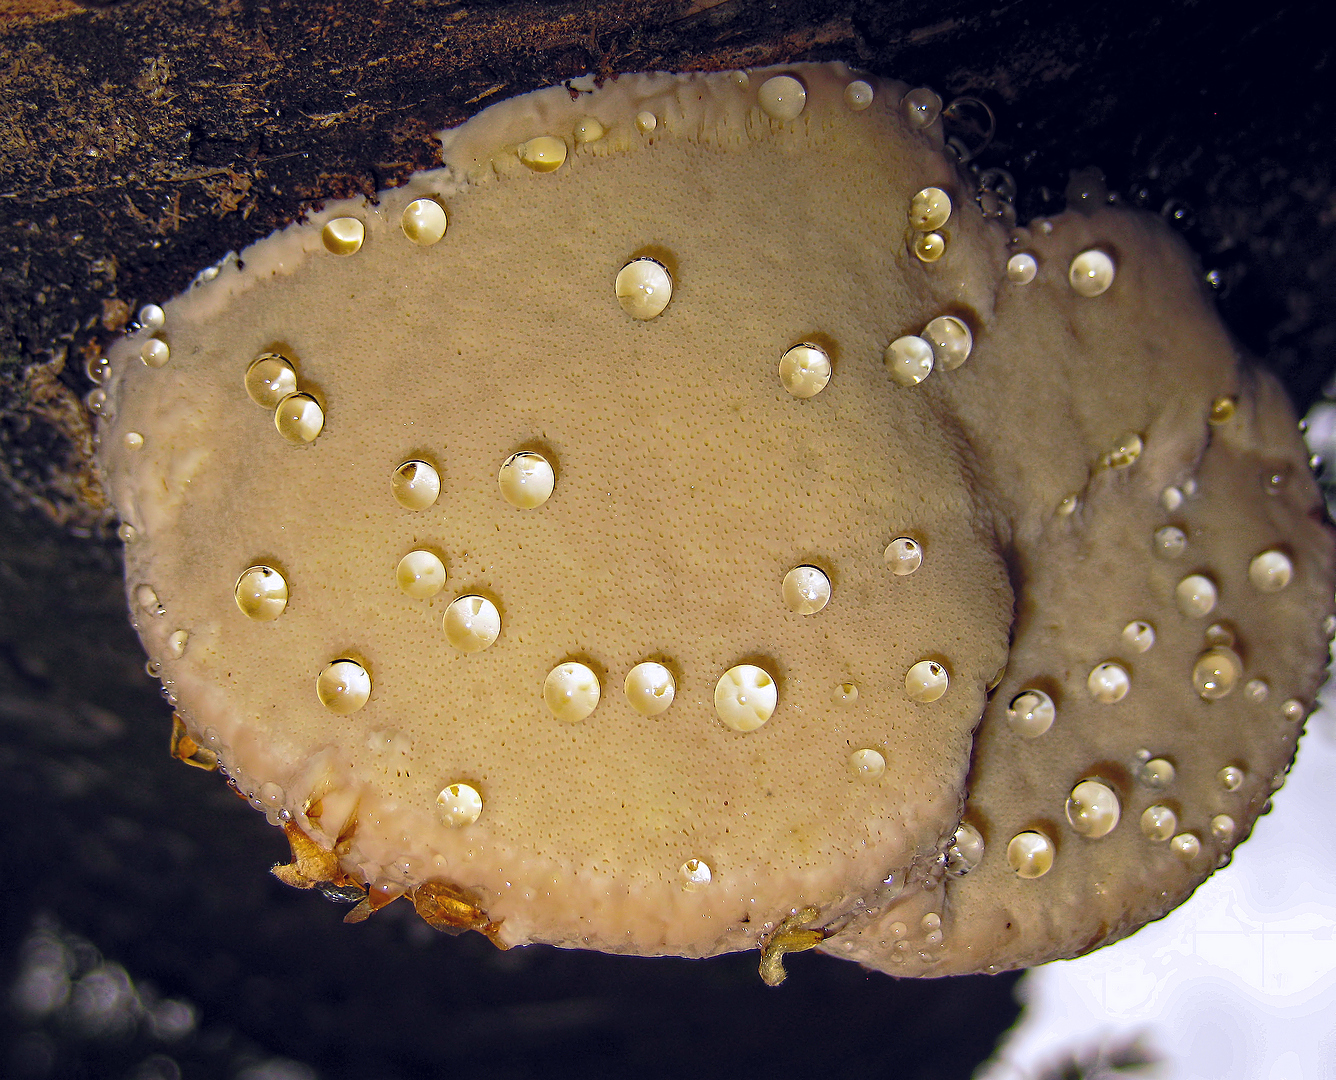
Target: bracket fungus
712 532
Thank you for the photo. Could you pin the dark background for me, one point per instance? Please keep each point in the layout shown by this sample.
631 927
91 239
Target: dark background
140 935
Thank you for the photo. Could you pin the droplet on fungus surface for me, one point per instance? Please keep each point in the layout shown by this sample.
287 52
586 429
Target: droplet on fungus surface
526 480
1196 596
155 353
1091 273
929 209
806 590
610 317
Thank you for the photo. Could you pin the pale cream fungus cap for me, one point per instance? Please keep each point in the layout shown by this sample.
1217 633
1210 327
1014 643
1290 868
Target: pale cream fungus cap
726 657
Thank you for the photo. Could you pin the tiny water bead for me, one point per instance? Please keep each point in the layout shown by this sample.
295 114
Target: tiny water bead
1158 823
1157 772
929 247
416 484
745 697
134 440
343 686
929 209
147 598
646 121
782 97
1125 452
543 154
1270 571
1230 777
1219 634
459 805
1195 596
1092 809
97 402
1108 682
1030 854
965 852
858 95
1022 268
926 681
643 288
155 352
424 221
695 875
125 532
1222 828
1091 273
1171 499
1222 411
1031 713
152 318
1216 673
571 692
588 129
845 693
806 590
471 623
649 688
909 360
1186 846
951 341
1138 635
1293 710
867 764
270 378
1170 542
343 235
299 418
903 556
804 370
176 643
922 107
526 480
97 369
420 574
1256 690
261 593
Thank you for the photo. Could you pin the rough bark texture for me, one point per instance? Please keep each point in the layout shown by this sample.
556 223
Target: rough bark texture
141 141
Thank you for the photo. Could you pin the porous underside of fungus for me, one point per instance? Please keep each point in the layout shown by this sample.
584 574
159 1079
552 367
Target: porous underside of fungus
870 575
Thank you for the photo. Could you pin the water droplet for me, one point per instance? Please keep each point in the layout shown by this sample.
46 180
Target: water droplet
261 593
929 247
416 484
420 574
695 875
782 97
1171 499
965 852
650 688
867 764
459 805
909 360
343 686
1022 268
343 235
1108 682
424 221
858 95
1256 690
97 369
646 121
1138 635
1230 777
471 623
1030 854
589 130
806 590
155 352
903 556
176 643
1091 273
1293 710
1196 596
152 317
270 796
269 379
1222 411
543 154
134 440
526 480
804 370
1220 634
1092 809
1157 772
1270 571
125 532
1222 828
1031 713
922 107
1216 673
1158 823
745 697
571 692
1275 479
929 209
1068 506
926 681
1186 846
299 418
1170 542
644 288
152 669
1124 452
147 599
951 341
845 693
